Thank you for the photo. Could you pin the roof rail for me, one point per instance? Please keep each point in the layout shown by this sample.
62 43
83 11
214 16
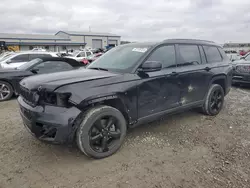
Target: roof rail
197 40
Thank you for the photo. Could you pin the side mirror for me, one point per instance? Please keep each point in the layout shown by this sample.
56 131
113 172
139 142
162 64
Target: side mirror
9 61
35 71
242 57
150 66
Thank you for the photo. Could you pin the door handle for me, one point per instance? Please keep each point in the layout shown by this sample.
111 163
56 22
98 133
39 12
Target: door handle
207 68
174 74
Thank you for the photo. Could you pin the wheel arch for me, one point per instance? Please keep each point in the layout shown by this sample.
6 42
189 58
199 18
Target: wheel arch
220 80
113 99
8 81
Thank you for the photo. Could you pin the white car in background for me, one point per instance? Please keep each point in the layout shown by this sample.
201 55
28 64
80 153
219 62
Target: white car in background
79 55
19 58
5 54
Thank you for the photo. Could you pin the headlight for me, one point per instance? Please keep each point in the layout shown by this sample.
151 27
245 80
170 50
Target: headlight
57 99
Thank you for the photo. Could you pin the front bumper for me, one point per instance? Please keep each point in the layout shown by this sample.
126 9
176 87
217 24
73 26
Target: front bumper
49 123
241 78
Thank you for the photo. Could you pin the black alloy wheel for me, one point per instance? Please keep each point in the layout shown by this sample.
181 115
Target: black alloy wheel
216 101
101 132
104 134
6 91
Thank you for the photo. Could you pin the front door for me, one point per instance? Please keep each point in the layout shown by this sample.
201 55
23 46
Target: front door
193 74
159 91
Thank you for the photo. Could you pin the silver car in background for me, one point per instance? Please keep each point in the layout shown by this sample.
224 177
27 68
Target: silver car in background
19 58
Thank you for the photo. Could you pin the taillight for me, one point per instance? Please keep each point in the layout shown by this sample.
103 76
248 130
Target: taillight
85 61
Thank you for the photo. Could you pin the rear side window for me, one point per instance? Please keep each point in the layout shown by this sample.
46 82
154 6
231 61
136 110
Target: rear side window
20 58
189 55
212 54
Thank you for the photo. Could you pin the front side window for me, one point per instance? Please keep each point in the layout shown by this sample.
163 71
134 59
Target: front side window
20 58
212 54
165 55
189 55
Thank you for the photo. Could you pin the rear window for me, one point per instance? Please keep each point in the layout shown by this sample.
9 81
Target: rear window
212 54
34 56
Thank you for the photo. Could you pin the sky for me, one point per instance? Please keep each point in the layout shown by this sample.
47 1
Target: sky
135 20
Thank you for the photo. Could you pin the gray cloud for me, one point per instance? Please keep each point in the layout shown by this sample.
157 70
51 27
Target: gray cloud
140 20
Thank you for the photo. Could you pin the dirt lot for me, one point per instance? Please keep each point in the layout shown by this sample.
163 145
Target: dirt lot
185 150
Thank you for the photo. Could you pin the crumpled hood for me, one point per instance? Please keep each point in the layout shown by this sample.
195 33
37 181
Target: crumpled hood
54 80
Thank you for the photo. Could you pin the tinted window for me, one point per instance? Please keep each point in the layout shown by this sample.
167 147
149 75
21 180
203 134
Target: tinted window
33 56
189 55
203 56
52 66
212 54
20 58
165 55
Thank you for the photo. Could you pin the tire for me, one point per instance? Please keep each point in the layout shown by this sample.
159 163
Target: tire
207 108
84 131
5 87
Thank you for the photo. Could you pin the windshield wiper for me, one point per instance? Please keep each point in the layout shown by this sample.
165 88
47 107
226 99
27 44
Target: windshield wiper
98 68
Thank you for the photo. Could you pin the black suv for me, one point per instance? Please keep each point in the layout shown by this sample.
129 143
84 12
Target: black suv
129 85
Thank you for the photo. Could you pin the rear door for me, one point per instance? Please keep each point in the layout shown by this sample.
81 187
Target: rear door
193 73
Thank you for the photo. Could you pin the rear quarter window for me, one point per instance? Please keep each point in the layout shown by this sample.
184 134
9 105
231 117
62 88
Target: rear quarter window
212 53
223 54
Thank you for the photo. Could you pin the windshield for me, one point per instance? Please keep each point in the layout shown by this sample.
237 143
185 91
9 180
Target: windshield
29 64
121 58
74 54
6 57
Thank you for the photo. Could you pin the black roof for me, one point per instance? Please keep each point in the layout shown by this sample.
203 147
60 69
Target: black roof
191 41
173 41
70 61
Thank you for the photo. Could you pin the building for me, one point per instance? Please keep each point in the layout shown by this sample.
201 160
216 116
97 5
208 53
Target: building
61 41
94 40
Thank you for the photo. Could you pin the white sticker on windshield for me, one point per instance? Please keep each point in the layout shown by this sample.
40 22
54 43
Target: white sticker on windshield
142 50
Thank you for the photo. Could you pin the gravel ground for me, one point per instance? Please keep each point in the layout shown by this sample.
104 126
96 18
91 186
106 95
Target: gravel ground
184 150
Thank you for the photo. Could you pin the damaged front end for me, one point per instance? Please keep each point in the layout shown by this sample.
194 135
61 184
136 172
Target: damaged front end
48 115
